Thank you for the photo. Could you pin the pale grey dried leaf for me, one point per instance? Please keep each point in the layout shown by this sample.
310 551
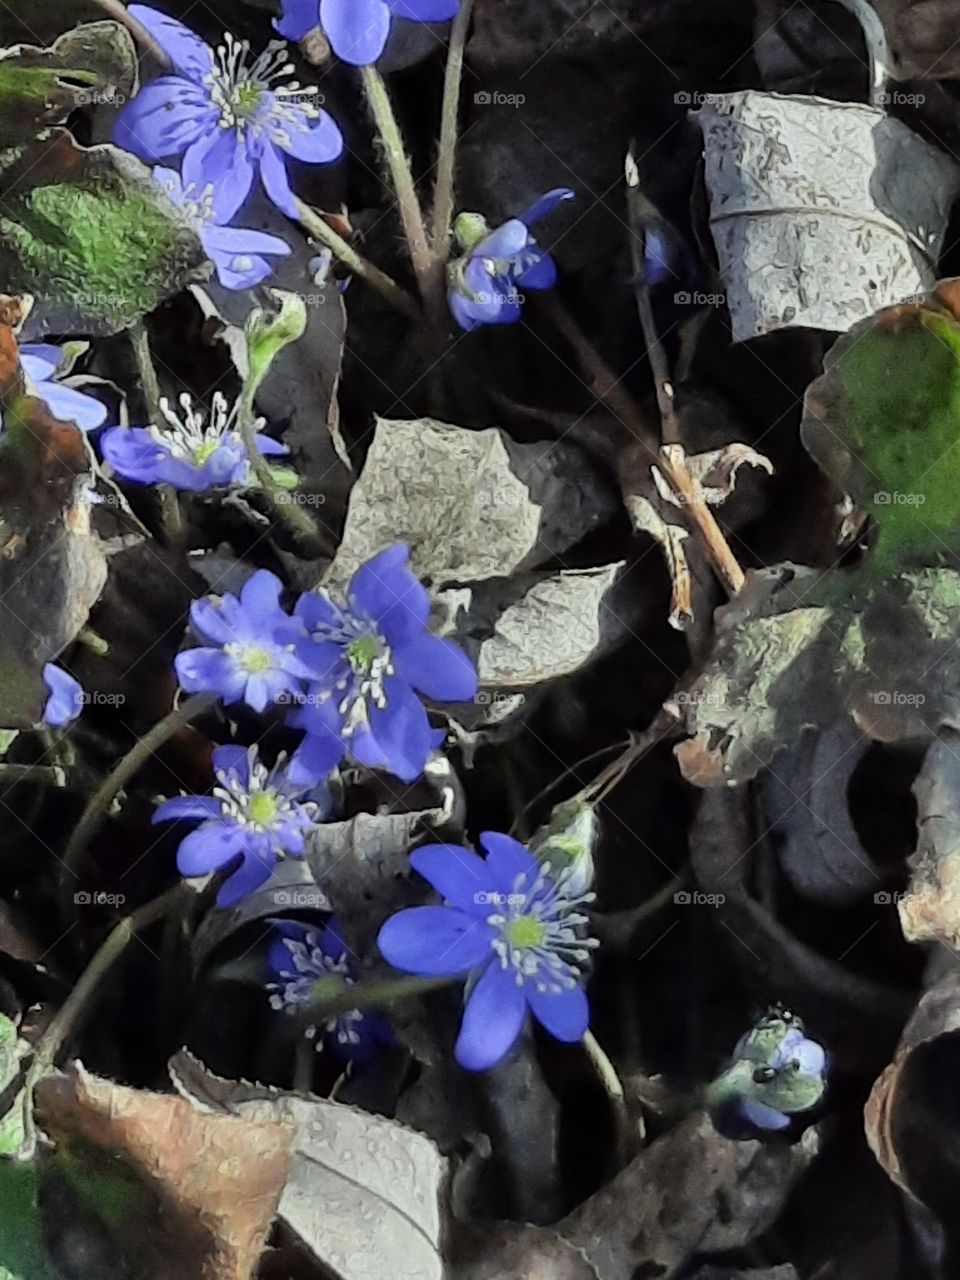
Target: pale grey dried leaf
450 493
365 1194
822 212
715 472
553 630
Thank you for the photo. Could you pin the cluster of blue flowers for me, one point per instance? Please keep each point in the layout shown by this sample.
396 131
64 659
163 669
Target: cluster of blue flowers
232 117
349 673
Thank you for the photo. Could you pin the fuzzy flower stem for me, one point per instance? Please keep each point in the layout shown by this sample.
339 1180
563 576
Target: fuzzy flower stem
449 116
80 997
287 513
401 175
385 285
612 1087
110 788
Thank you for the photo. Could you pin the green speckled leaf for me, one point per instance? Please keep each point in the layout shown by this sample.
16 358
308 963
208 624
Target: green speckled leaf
91 236
884 422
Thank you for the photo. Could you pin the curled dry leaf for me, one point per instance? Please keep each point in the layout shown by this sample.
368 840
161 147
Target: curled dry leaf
364 1193
909 1124
218 1177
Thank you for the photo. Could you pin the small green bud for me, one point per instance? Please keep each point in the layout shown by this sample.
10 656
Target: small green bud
469 229
269 332
566 842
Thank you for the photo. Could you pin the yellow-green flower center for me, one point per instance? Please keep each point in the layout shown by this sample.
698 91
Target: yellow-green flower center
262 808
246 100
363 652
205 451
255 660
525 931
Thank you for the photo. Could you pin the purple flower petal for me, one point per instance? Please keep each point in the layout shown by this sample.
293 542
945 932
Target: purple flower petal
210 622
238 241
316 610
435 941
424 10
508 860
40 360
273 174
357 29
401 732
188 53
209 848
66 696
206 670
253 872
565 1014
299 17
269 447
504 241
315 758
437 668
315 141
260 594
545 204
380 584
220 159
492 1020
183 808
233 760
762 1116
541 271
72 406
458 875
165 117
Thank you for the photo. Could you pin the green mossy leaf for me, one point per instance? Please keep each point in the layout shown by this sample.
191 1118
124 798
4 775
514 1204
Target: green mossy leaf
91 236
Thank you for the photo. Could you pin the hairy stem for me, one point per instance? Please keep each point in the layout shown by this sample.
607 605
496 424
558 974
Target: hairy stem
449 119
401 176
385 285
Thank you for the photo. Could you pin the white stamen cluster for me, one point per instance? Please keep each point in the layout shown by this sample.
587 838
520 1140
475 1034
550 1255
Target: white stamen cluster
363 683
188 434
313 966
541 932
237 801
252 94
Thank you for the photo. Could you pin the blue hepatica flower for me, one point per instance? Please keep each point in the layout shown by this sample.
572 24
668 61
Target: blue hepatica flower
250 654
358 29
229 117
237 253
516 931
776 1071
303 960
371 655
254 812
66 696
486 286
40 361
188 451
